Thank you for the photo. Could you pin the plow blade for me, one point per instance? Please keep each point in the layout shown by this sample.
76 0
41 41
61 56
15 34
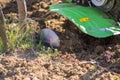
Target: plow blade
90 20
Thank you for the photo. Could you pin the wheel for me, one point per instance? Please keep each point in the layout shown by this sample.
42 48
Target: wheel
105 5
99 2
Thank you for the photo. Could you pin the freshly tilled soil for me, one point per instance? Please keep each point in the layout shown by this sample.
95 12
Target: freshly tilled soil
81 56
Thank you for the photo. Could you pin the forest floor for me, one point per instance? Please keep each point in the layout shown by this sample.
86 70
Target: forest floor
81 57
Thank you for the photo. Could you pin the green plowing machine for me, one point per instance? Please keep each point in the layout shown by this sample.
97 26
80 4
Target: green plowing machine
97 18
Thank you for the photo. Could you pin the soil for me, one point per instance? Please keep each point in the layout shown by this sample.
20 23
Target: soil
81 56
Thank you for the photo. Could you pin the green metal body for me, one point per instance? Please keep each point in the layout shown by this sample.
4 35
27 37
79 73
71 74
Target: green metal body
91 21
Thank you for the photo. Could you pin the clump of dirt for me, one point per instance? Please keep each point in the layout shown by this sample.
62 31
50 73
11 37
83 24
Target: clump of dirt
82 57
